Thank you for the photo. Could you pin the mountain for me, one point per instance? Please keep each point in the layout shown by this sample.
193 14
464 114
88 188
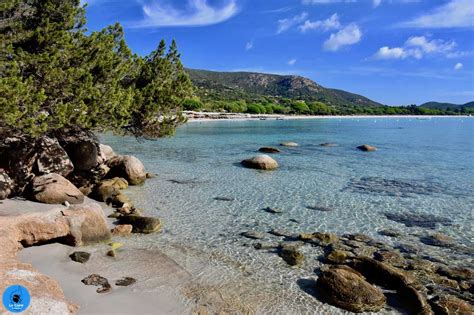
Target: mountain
447 106
250 86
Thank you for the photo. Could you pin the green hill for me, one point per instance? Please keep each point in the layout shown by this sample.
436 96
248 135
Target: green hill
447 106
215 86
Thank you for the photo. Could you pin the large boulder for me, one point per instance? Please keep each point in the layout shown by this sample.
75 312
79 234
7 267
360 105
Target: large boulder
347 289
260 162
451 305
52 158
105 153
128 167
6 185
141 224
55 189
82 148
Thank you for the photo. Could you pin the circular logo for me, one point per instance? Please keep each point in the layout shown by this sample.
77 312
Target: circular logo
16 298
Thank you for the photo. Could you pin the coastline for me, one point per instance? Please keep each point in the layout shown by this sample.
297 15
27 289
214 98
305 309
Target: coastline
217 116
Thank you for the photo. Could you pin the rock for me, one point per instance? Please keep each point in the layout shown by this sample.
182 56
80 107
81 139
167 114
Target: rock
269 150
411 219
224 199
6 185
390 232
82 148
438 239
328 145
337 257
367 148
128 167
289 144
122 229
320 208
96 280
273 210
278 232
118 183
253 235
150 175
55 189
261 162
456 273
358 237
346 289
125 281
265 245
111 253
325 238
105 193
390 257
450 305
80 257
292 256
106 152
141 224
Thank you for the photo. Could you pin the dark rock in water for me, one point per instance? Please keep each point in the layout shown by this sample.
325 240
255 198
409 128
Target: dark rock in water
337 257
125 281
325 238
328 145
96 280
278 232
358 237
265 245
438 239
345 288
292 256
450 305
390 232
367 148
141 224
390 257
185 181
320 208
408 248
396 187
456 273
253 235
294 220
411 219
269 150
80 257
224 199
273 210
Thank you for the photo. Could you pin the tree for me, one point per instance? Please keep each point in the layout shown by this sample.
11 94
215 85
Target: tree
54 76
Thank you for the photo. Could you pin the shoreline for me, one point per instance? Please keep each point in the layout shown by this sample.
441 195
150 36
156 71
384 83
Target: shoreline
217 116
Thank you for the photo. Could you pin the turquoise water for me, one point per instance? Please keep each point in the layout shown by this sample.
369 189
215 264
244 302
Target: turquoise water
422 167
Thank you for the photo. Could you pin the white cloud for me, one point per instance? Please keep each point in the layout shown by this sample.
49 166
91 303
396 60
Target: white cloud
326 1
328 24
456 13
292 62
286 24
349 35
376 3
458 66
196 13
417 47
249 45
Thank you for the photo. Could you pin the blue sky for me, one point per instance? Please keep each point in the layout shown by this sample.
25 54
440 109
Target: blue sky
396 52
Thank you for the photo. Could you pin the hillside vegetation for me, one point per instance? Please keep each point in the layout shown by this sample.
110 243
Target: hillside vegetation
261 93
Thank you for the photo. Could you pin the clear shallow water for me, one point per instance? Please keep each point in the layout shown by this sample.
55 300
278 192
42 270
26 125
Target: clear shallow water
422 166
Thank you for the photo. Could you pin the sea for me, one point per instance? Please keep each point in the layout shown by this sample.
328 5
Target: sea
419 181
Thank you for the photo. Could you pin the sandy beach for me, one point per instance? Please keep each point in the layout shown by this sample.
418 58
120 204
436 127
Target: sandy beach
218 116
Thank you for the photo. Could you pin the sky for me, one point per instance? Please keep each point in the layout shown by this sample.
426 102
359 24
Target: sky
397 52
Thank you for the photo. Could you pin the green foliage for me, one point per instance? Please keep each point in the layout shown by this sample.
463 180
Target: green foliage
54 76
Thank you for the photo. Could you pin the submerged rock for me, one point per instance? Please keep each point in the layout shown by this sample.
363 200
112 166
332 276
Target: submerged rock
292 256
261 162
289 144
390 232
141 224
96 280
438 239
265 245
320 208
279 232
411 219
345 288
80 257
253 235
224 199
337 256
55 189
451 305
269 150
328 145
273 210
456 273
367 148
125 281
